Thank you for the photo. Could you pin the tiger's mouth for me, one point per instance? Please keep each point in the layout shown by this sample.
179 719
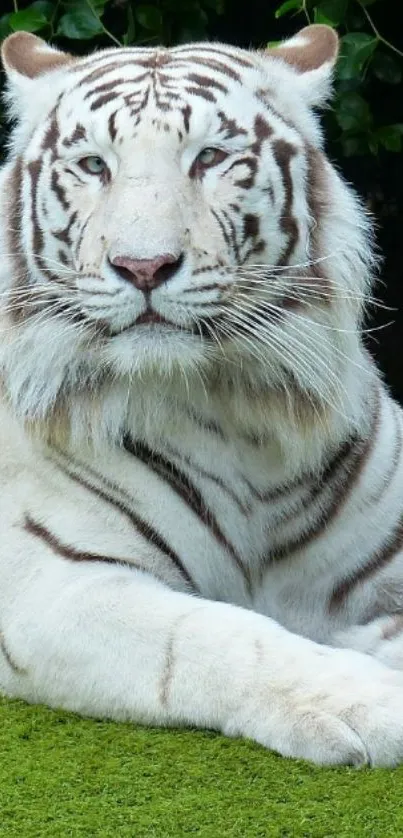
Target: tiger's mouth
149 316
152 318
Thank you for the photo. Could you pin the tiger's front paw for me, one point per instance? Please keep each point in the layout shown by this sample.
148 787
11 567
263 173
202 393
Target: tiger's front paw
342 707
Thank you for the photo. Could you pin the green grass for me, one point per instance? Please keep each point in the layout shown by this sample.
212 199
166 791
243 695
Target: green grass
62 776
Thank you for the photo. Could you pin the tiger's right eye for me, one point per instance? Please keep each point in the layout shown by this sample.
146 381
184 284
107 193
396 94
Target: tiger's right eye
93 165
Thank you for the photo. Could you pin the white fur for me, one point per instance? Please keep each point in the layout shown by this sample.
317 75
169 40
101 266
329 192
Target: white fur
135 642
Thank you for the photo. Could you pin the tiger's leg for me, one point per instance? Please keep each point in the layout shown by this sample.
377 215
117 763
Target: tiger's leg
110 641
382 638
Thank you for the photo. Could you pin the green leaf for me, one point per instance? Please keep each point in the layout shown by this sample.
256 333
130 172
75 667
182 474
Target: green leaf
387 68
149 17
320 17
193 21
288 6
217 5
331 12
356 19
27 20
353 113
46 7
130 36
355 50
98 6
5 28
391 137
353 145
80 23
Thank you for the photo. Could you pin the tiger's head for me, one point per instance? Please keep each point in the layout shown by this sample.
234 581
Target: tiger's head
171 212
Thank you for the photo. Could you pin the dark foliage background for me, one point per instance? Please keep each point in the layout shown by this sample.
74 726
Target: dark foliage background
364 127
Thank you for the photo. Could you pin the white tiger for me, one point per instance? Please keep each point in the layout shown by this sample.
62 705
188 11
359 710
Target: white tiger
202 474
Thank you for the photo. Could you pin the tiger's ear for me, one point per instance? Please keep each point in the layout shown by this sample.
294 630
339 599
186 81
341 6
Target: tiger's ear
27 60
26 56
312 54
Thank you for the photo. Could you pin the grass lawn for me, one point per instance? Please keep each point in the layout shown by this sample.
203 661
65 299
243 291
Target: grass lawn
62 776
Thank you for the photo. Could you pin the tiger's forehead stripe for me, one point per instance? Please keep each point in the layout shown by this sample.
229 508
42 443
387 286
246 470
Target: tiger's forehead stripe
223 51
78 134
211 64
170 76
156 57
168 86
218 61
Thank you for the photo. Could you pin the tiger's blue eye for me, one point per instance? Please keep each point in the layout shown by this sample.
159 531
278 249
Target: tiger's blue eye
93 165
210 157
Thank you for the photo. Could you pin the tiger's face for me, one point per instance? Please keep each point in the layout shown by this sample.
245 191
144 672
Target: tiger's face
152 183
170 207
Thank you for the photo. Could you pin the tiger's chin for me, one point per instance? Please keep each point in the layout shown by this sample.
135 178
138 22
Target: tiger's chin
158 349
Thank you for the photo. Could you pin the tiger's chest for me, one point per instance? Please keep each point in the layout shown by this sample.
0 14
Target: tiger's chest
204 496
219 506
194 508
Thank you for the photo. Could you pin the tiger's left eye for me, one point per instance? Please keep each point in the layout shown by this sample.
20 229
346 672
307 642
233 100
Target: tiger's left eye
93 165
210 157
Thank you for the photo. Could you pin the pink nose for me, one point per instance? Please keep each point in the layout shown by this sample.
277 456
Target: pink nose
147 274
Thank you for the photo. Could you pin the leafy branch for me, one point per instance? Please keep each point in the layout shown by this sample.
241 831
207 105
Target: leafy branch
376 32
365 55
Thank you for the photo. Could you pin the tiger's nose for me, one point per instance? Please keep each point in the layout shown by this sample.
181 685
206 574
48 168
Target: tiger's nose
147 274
